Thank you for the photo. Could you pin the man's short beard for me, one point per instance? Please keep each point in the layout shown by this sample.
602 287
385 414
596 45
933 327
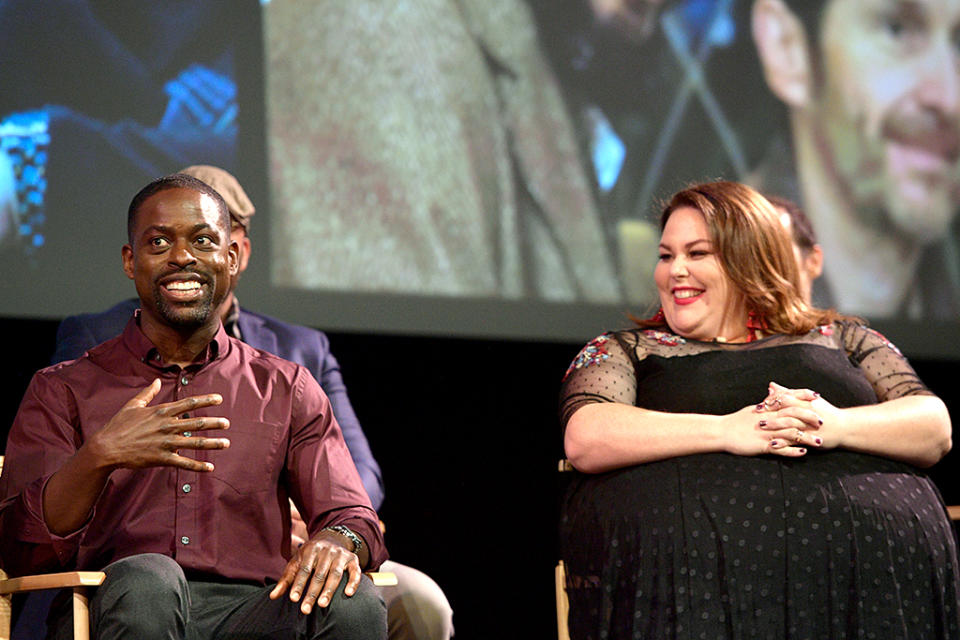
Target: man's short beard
189 318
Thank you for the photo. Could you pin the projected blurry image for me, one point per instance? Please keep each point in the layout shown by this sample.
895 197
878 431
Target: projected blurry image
452 165
135 90
850 107
517 149
423 147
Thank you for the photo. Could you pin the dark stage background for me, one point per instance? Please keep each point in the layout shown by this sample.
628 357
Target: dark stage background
466 433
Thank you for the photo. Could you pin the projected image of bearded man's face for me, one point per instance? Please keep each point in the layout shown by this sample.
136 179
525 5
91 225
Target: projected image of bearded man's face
889 106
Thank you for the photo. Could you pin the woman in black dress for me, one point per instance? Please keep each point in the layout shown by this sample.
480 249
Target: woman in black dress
748 466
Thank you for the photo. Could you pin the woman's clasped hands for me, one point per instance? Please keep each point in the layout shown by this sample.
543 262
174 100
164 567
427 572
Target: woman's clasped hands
787 422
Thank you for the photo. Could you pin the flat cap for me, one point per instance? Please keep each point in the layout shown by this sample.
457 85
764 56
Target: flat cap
228 187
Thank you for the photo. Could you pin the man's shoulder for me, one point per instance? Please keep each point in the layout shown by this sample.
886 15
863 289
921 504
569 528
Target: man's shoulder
82 367
257 356
263 364
280 326
292 341
83 331
118 313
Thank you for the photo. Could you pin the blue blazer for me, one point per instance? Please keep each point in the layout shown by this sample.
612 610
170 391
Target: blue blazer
305 346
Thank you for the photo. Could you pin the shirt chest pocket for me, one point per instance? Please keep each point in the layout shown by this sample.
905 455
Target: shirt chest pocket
254 460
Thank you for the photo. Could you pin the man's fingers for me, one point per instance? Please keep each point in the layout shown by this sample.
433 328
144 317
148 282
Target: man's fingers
201 423
353 581
325 586
189 464
280 588
302 571
146 395
315 574
185 405
198 442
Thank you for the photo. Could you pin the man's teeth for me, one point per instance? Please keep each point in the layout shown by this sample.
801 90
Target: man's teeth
183 286
687 293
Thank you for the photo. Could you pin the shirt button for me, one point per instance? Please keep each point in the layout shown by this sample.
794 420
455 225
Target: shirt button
185 540
184 381
187 488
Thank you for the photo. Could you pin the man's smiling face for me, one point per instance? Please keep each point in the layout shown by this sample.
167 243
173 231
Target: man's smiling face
181 258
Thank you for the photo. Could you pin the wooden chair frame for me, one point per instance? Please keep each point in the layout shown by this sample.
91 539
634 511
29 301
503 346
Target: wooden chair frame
79 581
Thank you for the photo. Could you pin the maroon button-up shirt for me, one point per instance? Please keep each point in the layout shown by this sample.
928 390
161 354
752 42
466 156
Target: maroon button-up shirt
233 522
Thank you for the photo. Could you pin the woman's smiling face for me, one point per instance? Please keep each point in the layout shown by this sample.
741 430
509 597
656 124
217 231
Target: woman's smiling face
699 300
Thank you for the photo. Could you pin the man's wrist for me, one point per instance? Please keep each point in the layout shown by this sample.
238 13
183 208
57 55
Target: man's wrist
349 535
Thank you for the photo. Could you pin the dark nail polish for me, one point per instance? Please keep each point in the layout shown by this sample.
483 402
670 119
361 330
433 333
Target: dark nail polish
763 423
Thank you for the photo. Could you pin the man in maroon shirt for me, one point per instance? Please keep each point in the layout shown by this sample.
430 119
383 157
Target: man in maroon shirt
166 456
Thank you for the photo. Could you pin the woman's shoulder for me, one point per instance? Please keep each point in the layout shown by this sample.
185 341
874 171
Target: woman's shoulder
859 339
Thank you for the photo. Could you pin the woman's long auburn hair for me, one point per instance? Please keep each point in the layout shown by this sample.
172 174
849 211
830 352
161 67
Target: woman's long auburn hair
754 249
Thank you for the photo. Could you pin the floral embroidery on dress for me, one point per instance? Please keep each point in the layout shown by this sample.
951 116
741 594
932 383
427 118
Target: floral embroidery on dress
594 353
825 329
664 337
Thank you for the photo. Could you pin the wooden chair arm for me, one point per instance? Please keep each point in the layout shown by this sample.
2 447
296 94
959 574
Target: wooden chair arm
383 578
52 581
77 580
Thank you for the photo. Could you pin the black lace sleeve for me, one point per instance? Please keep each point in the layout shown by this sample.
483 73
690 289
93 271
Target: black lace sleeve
603 371
881 362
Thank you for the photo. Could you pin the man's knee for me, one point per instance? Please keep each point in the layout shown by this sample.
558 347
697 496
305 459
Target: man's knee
416 607
361 616
140 596
143 577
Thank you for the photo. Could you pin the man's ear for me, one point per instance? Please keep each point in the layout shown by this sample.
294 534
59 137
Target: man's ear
813 262
233 256
126 255
244 254
784 52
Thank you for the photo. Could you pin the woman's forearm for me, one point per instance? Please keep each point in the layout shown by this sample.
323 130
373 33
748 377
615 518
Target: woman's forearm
914 429
609 435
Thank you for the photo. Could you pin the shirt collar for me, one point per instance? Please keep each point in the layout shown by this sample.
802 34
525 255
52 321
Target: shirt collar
141 346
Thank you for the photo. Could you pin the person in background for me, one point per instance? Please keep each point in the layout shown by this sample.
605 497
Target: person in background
806 249
750 465
417 608
158 458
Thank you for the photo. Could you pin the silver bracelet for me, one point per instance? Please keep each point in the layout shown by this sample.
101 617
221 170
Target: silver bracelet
347 533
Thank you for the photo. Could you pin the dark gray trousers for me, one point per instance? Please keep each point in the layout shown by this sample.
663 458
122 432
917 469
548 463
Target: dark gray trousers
148 596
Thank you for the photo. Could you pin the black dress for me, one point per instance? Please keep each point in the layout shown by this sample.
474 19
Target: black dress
832 545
